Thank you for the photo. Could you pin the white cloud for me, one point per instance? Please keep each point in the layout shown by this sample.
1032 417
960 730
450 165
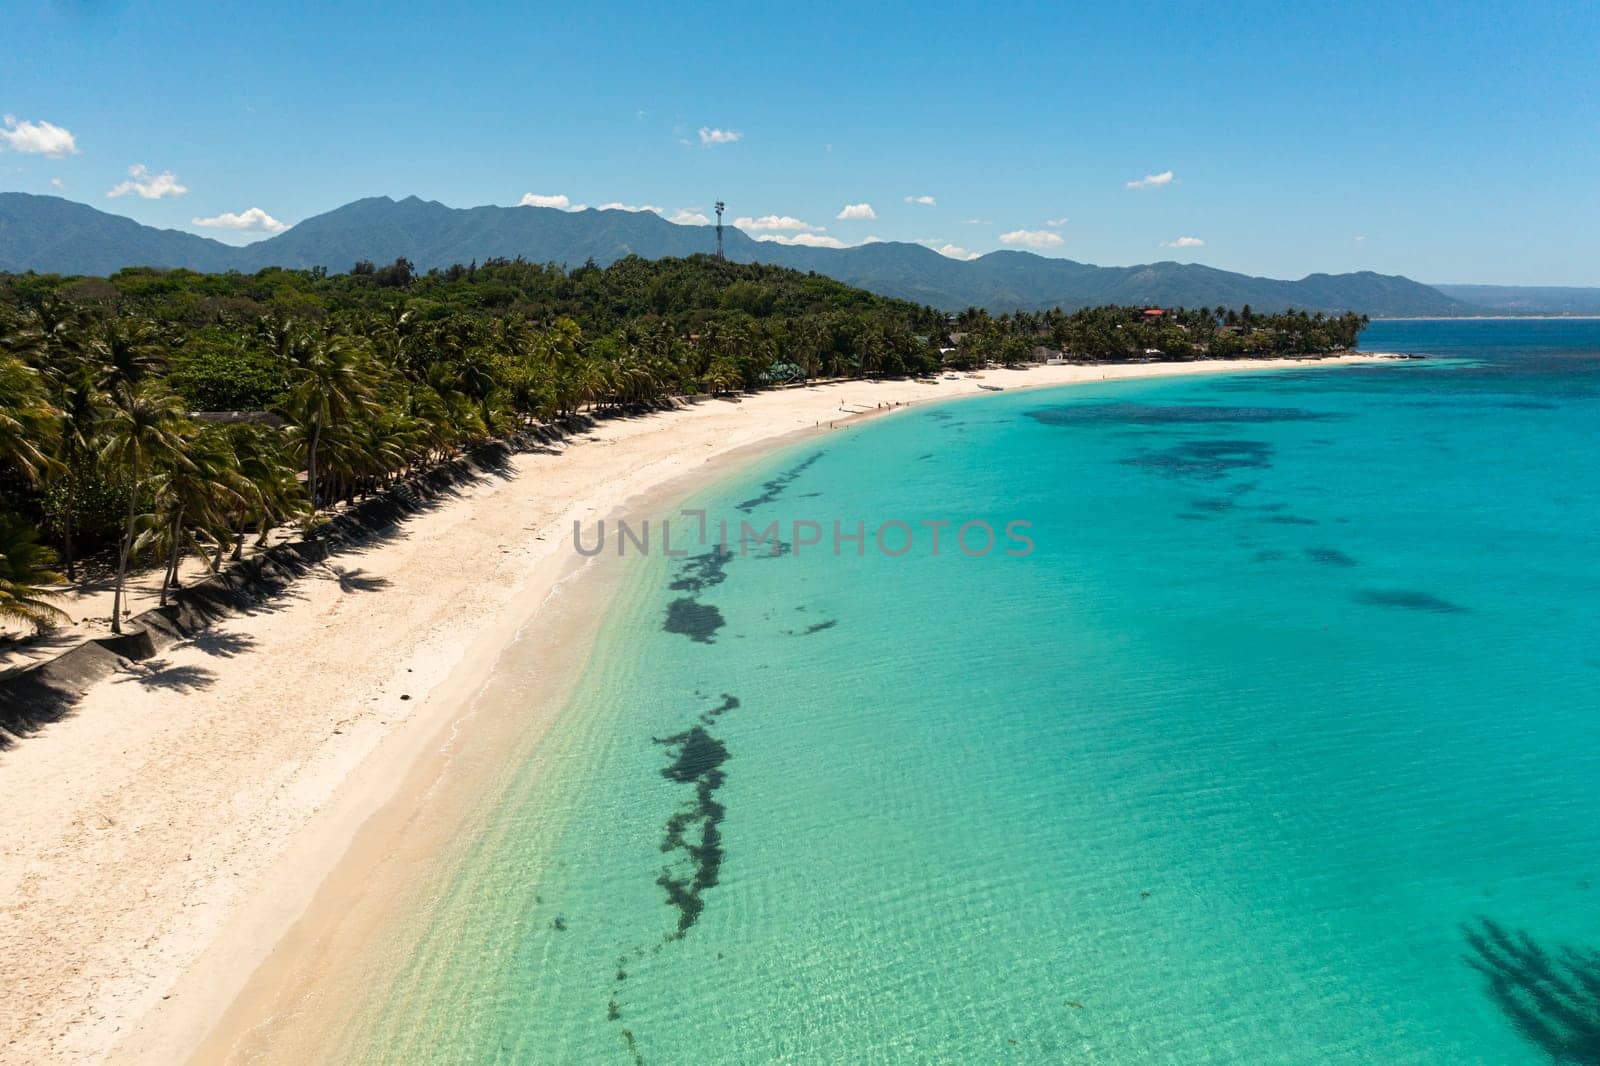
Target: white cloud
1033 238
1183 242
614 206
926 201
976 222
688 216
149 186
708 137
58 184
38 138
1152 181
808 240
1052 222
556 200
955 251
1360 237
254 219
856 211
776 222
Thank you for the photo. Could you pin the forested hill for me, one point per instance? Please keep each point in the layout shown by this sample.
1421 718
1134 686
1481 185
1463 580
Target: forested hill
49 234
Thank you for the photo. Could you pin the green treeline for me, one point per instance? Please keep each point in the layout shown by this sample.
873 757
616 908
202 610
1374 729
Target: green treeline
110 441
1119 334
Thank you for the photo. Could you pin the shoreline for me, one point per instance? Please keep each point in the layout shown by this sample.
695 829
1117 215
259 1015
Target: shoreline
182 848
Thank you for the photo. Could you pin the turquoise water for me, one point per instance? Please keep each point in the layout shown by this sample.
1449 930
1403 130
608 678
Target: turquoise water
1273 750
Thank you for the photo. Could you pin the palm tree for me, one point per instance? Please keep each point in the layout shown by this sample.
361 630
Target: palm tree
127 351
26 575
146 433
271 491
81 411
203 489
328 386
26 416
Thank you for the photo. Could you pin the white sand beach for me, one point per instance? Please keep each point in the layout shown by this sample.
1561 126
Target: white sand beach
158 843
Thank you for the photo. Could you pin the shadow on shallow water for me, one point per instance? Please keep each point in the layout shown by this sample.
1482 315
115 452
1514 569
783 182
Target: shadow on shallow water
1551 997
1411 599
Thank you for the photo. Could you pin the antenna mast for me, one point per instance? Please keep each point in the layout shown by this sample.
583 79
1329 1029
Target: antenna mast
720 206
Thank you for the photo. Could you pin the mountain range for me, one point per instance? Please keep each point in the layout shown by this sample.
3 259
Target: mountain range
1527 299
52 235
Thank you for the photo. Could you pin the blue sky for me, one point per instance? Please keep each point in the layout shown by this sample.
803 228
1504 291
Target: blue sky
1450 142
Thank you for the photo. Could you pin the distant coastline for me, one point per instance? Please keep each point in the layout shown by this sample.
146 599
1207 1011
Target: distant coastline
1486 318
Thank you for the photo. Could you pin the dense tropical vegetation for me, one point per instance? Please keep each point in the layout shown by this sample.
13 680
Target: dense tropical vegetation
113 441
1119 334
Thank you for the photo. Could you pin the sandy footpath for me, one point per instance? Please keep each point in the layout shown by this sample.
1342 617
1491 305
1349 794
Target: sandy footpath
156 844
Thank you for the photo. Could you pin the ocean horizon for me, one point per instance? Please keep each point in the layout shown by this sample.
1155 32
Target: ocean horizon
1277 744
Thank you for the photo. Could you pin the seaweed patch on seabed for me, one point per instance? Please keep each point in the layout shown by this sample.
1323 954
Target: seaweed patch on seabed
698 762
695 620
1329 557
700 572
1205 460
771 490
691 838
729 703
686 614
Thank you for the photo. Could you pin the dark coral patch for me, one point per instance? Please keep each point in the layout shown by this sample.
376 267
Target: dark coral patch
1330 557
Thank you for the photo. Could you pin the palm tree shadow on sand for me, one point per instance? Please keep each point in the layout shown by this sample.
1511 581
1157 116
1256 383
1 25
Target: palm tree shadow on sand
1551 997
